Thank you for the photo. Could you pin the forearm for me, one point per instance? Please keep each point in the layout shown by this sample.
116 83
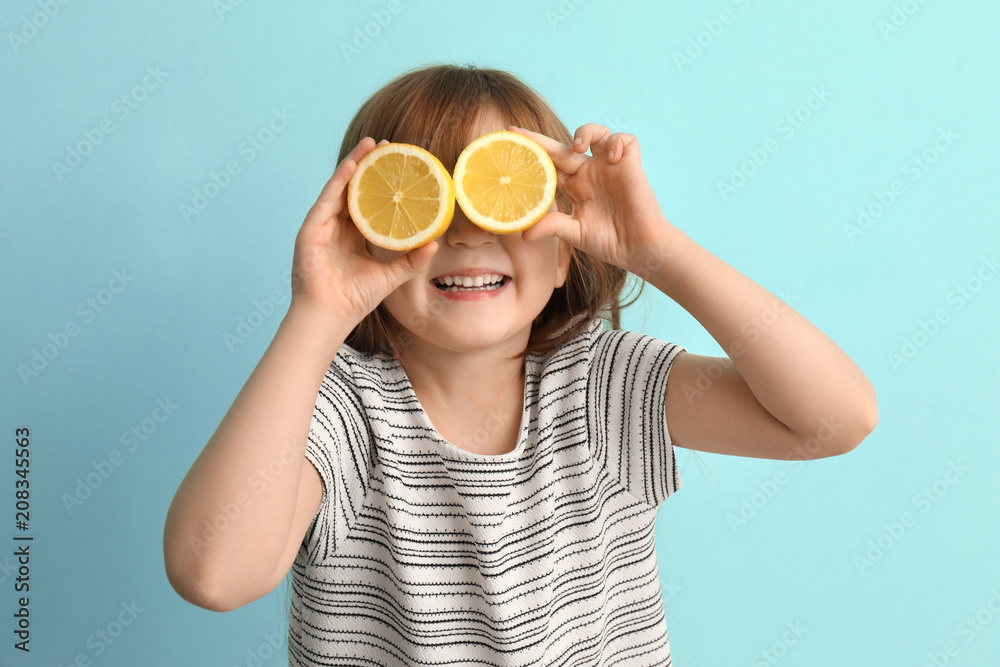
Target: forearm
230 518
792 368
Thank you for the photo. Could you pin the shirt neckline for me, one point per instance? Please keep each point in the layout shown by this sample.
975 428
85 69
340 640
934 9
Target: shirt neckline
455 450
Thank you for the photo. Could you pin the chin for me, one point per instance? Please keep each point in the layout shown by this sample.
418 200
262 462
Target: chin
471 337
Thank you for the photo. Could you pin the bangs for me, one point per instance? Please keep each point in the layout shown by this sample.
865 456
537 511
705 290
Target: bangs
437 110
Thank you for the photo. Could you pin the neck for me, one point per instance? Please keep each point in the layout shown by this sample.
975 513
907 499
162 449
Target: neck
473 398
458 376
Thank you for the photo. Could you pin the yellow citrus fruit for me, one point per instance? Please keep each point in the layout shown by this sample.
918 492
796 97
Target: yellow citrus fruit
505 182
401 197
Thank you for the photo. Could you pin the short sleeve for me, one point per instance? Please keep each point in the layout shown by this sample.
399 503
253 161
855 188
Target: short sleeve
340 447
626 398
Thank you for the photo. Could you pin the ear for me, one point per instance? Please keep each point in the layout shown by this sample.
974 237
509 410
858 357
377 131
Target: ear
565 254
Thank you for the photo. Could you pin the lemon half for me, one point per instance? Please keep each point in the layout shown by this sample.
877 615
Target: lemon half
505 182
401 197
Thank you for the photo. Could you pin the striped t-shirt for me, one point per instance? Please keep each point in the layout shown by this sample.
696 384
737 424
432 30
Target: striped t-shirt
422 553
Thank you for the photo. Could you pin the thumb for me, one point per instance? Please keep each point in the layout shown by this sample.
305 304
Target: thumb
554 223
403 267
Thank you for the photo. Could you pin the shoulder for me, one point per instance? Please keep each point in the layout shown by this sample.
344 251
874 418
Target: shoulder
363 370
363 381
600 353
599 342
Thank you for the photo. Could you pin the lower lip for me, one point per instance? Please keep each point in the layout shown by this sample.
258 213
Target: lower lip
472 295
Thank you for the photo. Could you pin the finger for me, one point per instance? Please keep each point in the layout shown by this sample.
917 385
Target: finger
332 198
554 223
403 268
593 137
562 155
363 148
618 144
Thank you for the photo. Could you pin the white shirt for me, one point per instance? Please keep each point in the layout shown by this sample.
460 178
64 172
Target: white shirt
422 553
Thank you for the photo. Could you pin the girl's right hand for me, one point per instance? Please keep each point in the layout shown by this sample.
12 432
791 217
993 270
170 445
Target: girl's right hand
332 271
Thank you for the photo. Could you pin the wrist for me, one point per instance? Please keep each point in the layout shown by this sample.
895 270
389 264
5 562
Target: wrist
658 254
316 326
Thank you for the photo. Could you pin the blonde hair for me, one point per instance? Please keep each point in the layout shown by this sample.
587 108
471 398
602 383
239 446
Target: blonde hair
435 107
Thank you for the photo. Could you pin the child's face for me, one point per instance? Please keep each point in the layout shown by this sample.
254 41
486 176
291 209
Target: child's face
473 320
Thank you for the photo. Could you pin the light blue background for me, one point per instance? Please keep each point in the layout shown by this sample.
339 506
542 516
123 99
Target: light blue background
732 590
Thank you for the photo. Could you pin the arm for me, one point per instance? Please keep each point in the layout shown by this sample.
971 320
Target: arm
785 391
233 530
239 517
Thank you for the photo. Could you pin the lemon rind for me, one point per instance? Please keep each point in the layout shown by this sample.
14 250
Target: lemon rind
446 198
532 216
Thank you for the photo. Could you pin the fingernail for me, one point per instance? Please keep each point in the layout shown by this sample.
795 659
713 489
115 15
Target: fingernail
579 140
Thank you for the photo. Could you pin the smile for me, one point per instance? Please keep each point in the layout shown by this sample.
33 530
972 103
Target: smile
483 282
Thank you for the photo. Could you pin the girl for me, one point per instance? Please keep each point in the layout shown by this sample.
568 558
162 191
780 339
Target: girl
472 476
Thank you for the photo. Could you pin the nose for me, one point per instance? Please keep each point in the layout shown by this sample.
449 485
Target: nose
463 232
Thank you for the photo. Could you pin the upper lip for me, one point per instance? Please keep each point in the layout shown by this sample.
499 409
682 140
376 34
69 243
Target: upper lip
472 273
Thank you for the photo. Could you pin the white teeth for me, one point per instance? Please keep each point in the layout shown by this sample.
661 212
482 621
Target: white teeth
456 288
489 280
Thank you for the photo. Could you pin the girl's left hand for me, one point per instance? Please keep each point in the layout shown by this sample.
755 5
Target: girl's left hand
616 217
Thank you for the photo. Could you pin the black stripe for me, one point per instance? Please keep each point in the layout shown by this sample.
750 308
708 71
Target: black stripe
424 555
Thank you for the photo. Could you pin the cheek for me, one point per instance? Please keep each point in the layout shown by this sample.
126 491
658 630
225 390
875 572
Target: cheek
400 307
539 258
403 299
